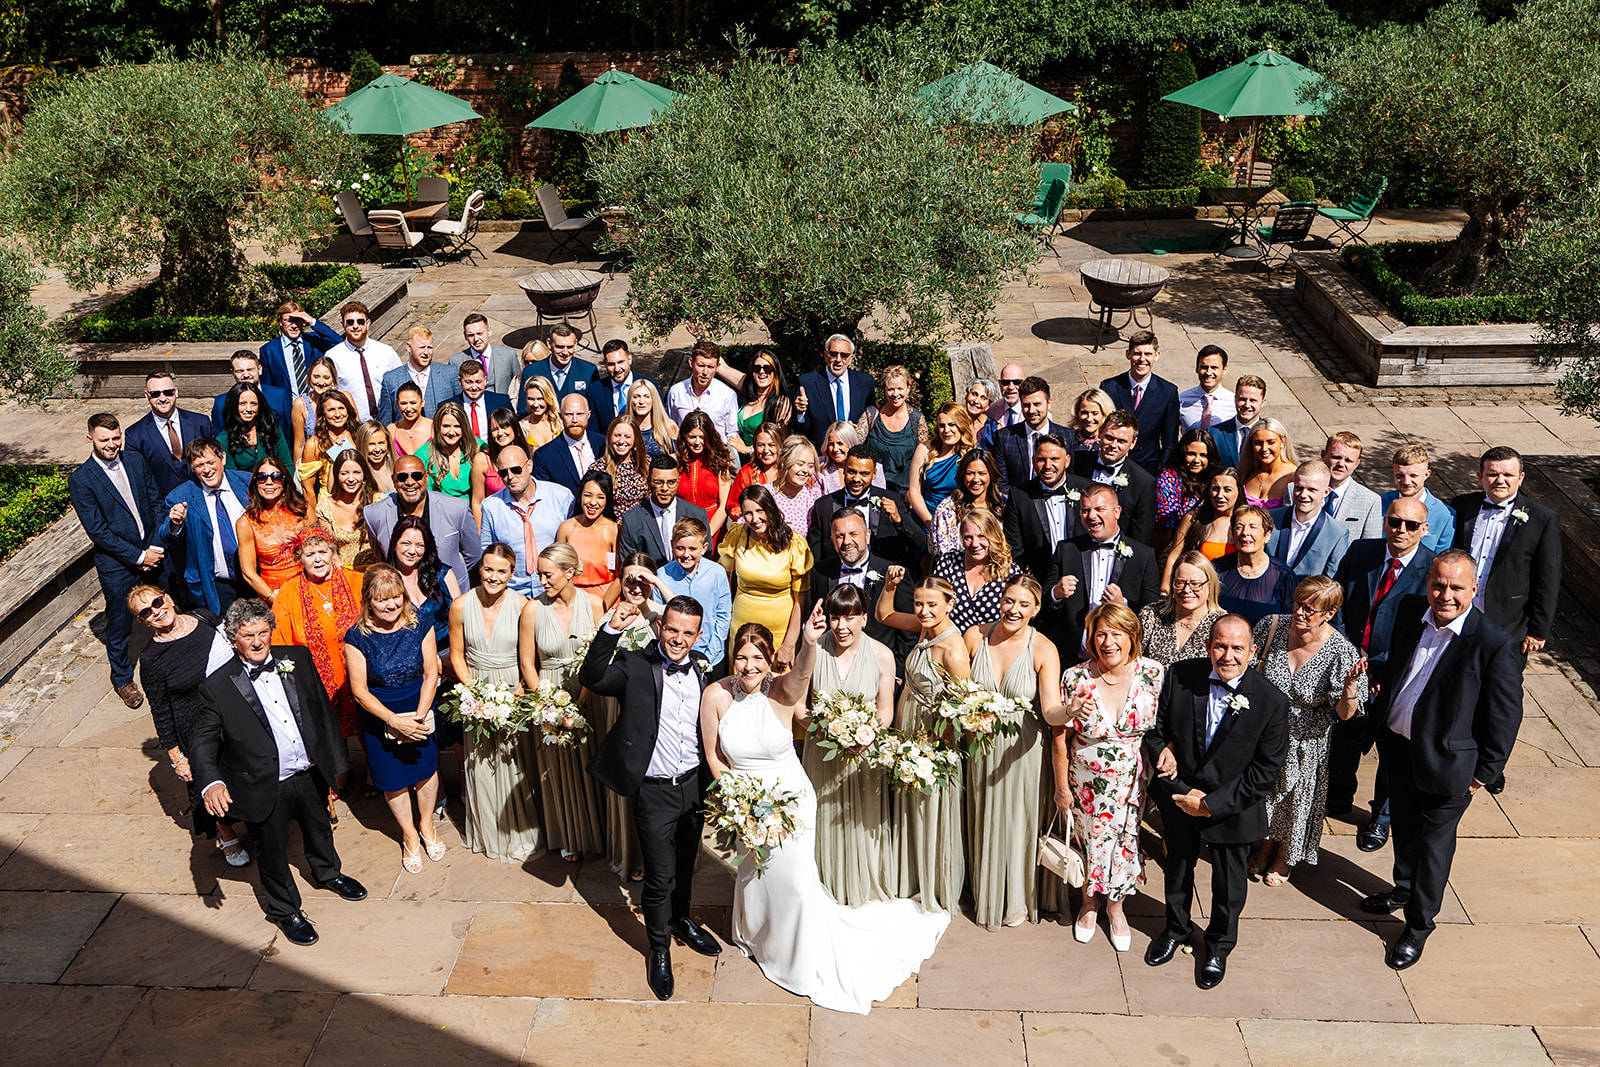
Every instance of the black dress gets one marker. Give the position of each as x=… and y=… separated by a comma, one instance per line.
x=172, y=672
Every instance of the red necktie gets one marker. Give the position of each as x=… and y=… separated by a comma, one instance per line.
x=472, y=409
x=1389, y=576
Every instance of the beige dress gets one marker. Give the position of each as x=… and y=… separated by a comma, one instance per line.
x=502, y=807
x=929, y=863
x=622, y=837
x=855, y=820
x=568, y=796
x=1003, y=801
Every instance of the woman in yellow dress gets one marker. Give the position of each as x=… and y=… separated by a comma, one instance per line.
x=769, y=564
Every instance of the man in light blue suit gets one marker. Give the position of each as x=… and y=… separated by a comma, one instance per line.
x=1411, y=473
x=198, y=531
x=438, y=384
x=1305, y=538
x=286, y=359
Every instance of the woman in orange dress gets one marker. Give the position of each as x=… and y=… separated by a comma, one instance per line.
x=704, y=470
x=266, y=530
x=1207, y=529
x=314, y=609
x=593, y=532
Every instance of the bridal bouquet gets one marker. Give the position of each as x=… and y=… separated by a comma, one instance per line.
x=974, y=716
x=552, y=709
x=844, y=724
x=918, y=762
x=742, y=808
x=486, y=709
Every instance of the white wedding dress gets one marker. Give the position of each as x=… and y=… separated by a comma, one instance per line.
x=842, y=958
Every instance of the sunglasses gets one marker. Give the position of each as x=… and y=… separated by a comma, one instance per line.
x=510, y=472
x=269, y=476
x=355, y=322
x=151, y=608
x=1412, y=525
x=1012, y=381
x=762, y=368
x=408, y=476
x=153, y=393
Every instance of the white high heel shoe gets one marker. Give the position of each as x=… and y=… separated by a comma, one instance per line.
x=1084, y=934
x=1121, y=942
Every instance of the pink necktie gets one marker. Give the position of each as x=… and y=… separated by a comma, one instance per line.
x=1205, y=411
x=1138, y=395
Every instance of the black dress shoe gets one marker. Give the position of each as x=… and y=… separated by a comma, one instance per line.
x=1385, y=903
x=690, y=933
x=658, y=972
x=1208, y=974
x=297, y=929
x=1373, y=836
x=346, y=887
x=1405, y=952
x=1161, y=949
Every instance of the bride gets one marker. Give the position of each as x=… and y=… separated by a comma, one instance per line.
x=842, y=958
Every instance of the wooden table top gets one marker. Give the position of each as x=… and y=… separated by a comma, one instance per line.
x=416, y=212
x=1132, y=273
x=562, y=281
x=1246, y=197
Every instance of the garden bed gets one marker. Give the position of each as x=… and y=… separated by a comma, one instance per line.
x=1389, y=271
x=46, y=567
x=317, y=287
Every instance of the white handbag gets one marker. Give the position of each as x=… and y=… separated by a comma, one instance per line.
x=1059, y=856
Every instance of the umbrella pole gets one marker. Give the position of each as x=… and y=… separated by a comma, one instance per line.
x=405, y=177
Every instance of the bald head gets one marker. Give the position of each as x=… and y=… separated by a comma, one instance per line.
x=410, y=479
x=513, y=466
x=575, y=416
x=1011, y=376
x=1405, y=524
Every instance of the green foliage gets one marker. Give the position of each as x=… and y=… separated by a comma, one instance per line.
x=1383, y=268
x=317, y=287
x=569, y=162
x=32, y=365
x=1153, y=199
x=181, y=162
x=518, y=203
x=1083, y=137
x=31, y=498
x=811, y=195
x=1171, y=144
x=1299, y=188
x=1558, y=261
x=364, y=70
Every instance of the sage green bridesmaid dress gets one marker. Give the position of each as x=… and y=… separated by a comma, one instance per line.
x=1003, y=801
x=929, y=859
x=502, y=803
x=569, y=797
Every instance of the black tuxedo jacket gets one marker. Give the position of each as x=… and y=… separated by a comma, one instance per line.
x=1027, y=525
x=1466, y=720
x=1137, y=574
x=1238, y=769
x=232, y=743
x=1526, y=574
x=896, y=542
x=636, y=680
x=1157, y=415
x=638, y=531
x=825, y=578
x=1012, y=455
x=1138, y=497
x=1358, y=575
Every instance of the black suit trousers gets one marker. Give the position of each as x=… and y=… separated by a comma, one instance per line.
x=669, y=817
x=302, y=798
x=1230, y=881
x=1348, y=740
x=1424, y=827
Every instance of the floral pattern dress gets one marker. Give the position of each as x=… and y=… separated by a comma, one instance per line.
x=1108, y=775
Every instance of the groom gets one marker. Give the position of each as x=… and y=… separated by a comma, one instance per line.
x=653, y=755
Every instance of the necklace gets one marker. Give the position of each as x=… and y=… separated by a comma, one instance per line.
x=326, y=598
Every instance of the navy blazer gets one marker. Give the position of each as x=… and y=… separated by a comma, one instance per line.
x=601, y=407
x=1520, y=595
x=639, y=532
x=1319, y=553
x=1012, y=456
x=1226, y=434
x=443, y=385
x=1157, y=415
x=553, y=462
x=147, y=439
x=275, y=361
x=820, y=412
x=279, y=400
x=118, y=545
x=1359, y=574
x=189, y=550
x=579, y=373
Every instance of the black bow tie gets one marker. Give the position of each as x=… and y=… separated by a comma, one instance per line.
x=844, y=570
x=1230, y=687
x=1046, y=492
x=256, y=672
x=1102, y=468
x=1490, y=504
x=858, y=502
x=1095, y=546
x=677, y=668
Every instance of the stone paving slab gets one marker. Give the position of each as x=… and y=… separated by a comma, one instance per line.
x=125, y=853
x=13, y=828
x=370, y=946
x=1132, y=1041
x=1033, y=967
x=238, y=1027
x=1528, y=879
x=92, y=781
x=668, y=1035
x=1553, y=802
x=1274, y=1043
x=40, y=933
x=891, y=1037
x=1571, y=1046
x=52, y=1024
x=158, y=939
x=1508, y=975
x=486, y=1031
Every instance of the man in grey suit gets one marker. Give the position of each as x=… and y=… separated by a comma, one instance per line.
x=647, y=528
x=1352, y=504
x=1305, y=538
x=455, y=534
x=438, y=384
x=502, y=365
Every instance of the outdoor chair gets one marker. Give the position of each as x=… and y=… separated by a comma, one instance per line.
x=355, y=217
x=395, y=238
x=461, y=232
x=1048, y=173
x=433, y=189
x=1248, y=175
x=1290, y=226
x=1046, y=221
x=564, y=229
x=1353, y=218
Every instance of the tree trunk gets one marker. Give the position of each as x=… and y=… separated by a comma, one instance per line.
x=799, y=340
x=204, y=273
x=1493, y=222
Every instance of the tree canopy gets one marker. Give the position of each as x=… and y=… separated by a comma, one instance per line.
x=32, y=364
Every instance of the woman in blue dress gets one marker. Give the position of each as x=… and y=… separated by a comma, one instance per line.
x=431, y=587
x=933, y=465
x=393, y=662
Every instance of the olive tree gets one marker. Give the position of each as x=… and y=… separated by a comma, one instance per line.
x=32, y=364
x=811, y=194
x=177, y=162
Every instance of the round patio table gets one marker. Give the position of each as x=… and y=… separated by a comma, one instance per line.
x=1117, y=285
x=561, y=294
x=1245, y=207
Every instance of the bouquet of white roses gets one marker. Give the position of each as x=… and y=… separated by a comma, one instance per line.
x=486, y=709
x=974, y=716
x=742, y=808
x=844, y=724
x=552, y=710
x=916, y=762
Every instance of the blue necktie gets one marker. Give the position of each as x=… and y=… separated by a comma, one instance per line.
x=838, y=400
x=230, y=543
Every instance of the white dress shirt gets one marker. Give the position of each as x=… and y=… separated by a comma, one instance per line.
x=1055, y=506
x=1430, y=649
x=619, y=393
x=233, y=508
x=292, y=755
x=1106, y=475
x=854, y=574
x=1488, y=530
x=718, y=401
x=1097, y=569
x=1217, y=703
x=678, y=733
x=582, y=458
x=381, y=359
x=119, y=478
x=481, y=408
x=666, y=518
x=1192, y=406
x=420, y=375
x=558, y=375
x=1297, y=532
x=839, y=393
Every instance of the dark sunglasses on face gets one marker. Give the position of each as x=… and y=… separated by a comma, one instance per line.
x=510, y=472
x=355, y=322
x=269, y=476
x=762, y=368
x=1011, y=381
x=151, y=608
x=408, y=476
x=153, y=393
x=1411, y=525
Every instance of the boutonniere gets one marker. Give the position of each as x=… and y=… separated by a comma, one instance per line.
x=874, y=576
x=1074, y=495
x=1120, y=479
x=1237, y=703
x=1518, y=515
x=1124, y=549
x=875, y=501
x=284, y=667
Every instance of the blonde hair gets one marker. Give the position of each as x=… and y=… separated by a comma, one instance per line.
x=562, y=555
x=382, y=579
x=1320, y=591
x=1199, y=562
x=363, y=436
x=1117, y=617
x=939, y=585
x=1249, y=465
x=963, y=420
x=534, y=351
x=1100, y=398
x=796, y=448
x=999, y=563
x=1410, y=455
x=663, y=429
x=419, y=330
x=896, y=370
x=552, y=406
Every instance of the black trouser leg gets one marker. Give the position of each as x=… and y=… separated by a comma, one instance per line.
x=686, y=846
x=316, y=832
x=1229, y=883
x=662, y=812
x=1424, y=828
x=271, y=839
x=1183, y=849
x=1344, y=756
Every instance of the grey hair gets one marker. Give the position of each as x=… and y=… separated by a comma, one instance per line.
x=839, y=337
x=243, y=613
x=846, y=432
x=990, y=386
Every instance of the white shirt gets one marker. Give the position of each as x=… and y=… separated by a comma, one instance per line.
x=169, y=423
x=854, y=575
x=1430, y=649
x=1056, y=507
x=1217, y=703
x=119, y=478
x=1298, y=531
x=292, y=755
x=482, y=409
x=666, y=518
x=558, y=375
x=619, y=392
x=678, y=733
x=233, y=509
x=1242, y=434
x=1097, y=569
x=381, y=359
x=839, y=393
x=718, y=401
x=420, y=375
x=1106, y=475
x=1191, y=406
x=1488, y=530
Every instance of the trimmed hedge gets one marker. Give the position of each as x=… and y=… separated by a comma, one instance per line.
x=929, y=364
x=1114, y=193
x=33, y=498
x=317, y=287
x=1379, y=267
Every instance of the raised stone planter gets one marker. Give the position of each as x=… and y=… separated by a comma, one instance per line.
x=1390, y=353
x=46, y=583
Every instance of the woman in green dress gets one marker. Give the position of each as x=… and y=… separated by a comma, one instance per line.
x=1004, y=798
x=855, y=822
x=929, y=861
x=454, y=459
x=763, y=382
x=555, y=630
x=250, y=431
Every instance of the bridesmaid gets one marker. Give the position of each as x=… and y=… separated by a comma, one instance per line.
x=502, y=805
x=553, y=628
x=855, y=826
x=1003, y=795
x=592, y=531
x=927, y=829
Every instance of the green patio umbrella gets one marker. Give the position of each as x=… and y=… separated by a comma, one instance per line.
x=1265, y=84
x=390, y=104
x=983, y=94
x=614, y=101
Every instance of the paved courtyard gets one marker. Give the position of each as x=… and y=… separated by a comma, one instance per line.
x=125, y=941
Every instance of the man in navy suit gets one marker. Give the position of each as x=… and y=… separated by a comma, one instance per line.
x=502, y=366
x=565, y=460
x=1305, y=538
x=608, y=393
x=286, y=359
x=1516, y=546
x=834, y=394
x=161, y=435
x=563, y=369
x=476, y=399
x=116, y=501
x=199, y=528
x=1249, y=393
x=246, y=367
x=438, y=384
x=1153, y=401
x=1113, y=465
x=1014, y=445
